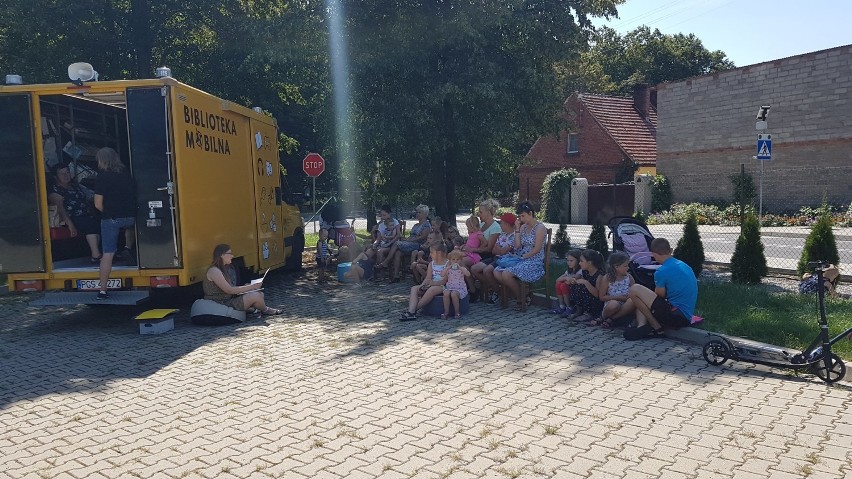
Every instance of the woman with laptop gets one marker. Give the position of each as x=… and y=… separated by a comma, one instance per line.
x=220, y=285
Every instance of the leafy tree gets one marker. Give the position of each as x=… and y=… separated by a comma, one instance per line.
x=554, y=191
x=820, y=245
x=645, y=56
x=689, y=248
x=748, y=264
x=561, y=242
x=597, y=240
x=449, y=95
x=264, y=53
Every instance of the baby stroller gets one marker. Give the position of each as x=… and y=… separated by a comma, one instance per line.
x=339, y=230
x=632, y=237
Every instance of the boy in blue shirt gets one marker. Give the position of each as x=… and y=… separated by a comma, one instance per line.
x=672, y=303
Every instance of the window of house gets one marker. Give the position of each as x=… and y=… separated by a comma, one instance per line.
x=573, y=143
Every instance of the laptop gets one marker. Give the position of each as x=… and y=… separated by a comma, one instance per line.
x=260, y=280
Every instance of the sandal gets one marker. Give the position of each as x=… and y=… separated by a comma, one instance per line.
x=607, y=323
x=443, y=316
x=583, y=318
x=406, y=316
x=458, y=316
x=96, y=260
x=656, y=333
x=597, y=322
x=271, y=311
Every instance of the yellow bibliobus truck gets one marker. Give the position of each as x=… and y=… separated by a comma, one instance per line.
x=206, y=171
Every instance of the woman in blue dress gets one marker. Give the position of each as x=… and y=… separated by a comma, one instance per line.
x=529, y=245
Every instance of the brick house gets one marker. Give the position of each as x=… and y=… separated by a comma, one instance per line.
x=707, y=130
x=609, y=140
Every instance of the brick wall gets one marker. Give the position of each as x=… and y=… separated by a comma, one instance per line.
x=598, y=160
x=706, y=129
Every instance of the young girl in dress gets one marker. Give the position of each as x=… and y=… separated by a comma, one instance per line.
x=562, y=287
x=585, y=297
x=614, y=290
x=432, y=285
x=455, y=288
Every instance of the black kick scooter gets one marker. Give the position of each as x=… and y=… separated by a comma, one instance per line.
x=817, y=358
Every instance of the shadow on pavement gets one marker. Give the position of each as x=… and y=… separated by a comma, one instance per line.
x=48, y=351
x=61, y=350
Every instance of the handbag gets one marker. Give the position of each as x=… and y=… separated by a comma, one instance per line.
x=507, y=261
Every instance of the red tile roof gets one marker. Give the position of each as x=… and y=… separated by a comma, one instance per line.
x=635, y=135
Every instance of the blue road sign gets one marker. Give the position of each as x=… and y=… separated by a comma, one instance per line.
x=764, y=147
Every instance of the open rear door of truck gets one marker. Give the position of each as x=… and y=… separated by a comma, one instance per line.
x=21, y=241
x=153, y=169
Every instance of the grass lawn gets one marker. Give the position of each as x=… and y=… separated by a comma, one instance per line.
x=311, y=240
x=783, y=319
x=779, y=318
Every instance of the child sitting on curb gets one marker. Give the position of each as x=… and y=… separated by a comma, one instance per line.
x=614, y=290
x=432, y=285
x=563, y=287
x=586, y=296
x=361, y=268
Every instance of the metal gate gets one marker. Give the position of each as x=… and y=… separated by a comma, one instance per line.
x=606, y=201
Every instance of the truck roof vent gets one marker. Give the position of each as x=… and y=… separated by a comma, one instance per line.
x=14, y=80
x=161, y=72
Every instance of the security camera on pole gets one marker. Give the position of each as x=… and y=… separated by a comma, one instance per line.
x=764, y=147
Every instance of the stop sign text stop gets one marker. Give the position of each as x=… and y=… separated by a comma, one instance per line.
x=313, y=165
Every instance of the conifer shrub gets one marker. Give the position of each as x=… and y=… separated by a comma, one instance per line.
x=748, y=264
x=820, y=244
x=554, y=191
x=561, y=242
x=689, y=248
x=597, y=240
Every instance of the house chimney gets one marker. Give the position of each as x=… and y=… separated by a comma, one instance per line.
x=642, y=99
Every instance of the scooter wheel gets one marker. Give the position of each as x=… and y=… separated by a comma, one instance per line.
x=834, y=373
x=716, y=352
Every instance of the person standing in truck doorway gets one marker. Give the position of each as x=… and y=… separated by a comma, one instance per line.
x=115, y=198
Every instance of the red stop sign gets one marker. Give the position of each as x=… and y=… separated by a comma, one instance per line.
x=313, y=165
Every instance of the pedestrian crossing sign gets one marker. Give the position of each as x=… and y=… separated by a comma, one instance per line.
x=764, y=146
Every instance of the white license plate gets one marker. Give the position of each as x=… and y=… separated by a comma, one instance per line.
x=95, y=284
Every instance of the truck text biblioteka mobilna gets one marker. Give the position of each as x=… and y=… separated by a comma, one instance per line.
x=206, y=172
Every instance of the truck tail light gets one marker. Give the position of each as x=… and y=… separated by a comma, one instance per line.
x=29, y=285
x=164, y=281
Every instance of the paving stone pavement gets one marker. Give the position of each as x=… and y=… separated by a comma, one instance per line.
x=337, y=388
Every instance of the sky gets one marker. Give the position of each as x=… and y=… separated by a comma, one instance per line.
x=748, y=31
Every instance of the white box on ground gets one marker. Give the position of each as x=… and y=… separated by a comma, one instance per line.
x=156, y=326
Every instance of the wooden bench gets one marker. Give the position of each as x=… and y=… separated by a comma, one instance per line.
x=527, y=289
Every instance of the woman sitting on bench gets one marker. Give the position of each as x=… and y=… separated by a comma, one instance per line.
x=529, y=246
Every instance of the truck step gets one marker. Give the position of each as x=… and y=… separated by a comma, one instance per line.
x=63, y=298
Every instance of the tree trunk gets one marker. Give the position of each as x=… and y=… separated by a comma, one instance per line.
x=444, y=180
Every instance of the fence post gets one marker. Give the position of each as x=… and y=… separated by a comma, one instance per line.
x=643, y=194
x=742, y=200
x=579, y=201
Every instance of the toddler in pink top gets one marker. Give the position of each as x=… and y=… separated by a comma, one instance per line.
x=475, y=240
